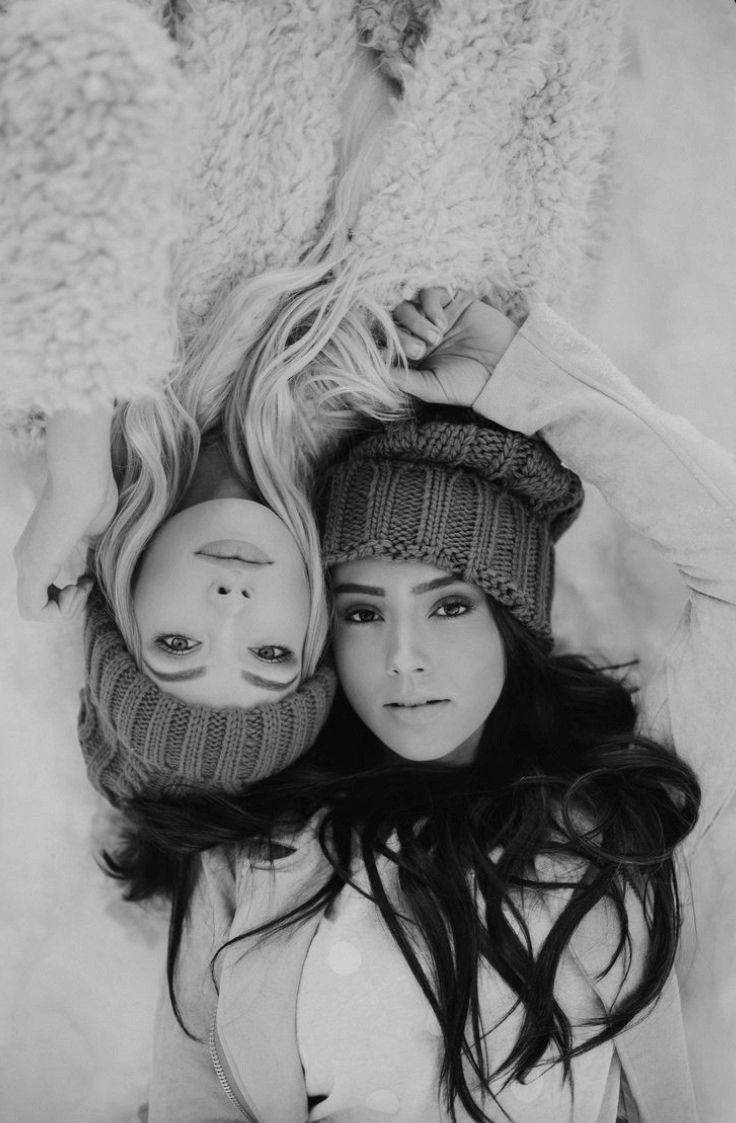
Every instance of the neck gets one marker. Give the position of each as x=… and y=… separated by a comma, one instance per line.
x=214, y=478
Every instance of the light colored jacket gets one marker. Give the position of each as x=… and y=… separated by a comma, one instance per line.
x=676, y=487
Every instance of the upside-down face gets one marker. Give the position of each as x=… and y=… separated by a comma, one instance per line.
x=222, y=605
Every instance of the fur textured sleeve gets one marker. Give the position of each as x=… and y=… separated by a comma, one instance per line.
x=91, y=156
x=268, y=78
x=491, y=178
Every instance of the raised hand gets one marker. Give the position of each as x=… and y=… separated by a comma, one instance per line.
x=452, y=366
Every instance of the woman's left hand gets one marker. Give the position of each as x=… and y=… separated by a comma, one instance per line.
x=461, y=357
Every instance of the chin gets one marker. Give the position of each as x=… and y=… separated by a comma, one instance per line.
x=419, y=754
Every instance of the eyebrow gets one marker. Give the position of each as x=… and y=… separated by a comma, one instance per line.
x=377, y=591
x=176, y=676
x=198, y=672
x=267, y=683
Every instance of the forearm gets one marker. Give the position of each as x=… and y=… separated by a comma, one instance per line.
x=671, y=484
x=667, y=480
x=78, y=441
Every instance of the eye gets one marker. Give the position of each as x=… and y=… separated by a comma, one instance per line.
x=175, y=644
x=272, y=653
x=453, y=607
x=360, y=614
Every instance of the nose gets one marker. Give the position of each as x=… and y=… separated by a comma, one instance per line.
x=405, y=654
x=228, y=595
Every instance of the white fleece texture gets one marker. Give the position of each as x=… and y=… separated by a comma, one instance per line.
x=90, y=157
x=116, y=150
x=493, y=172
x=270, y=107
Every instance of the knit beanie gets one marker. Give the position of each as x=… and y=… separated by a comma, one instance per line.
x=479, y=501
x=138, y=740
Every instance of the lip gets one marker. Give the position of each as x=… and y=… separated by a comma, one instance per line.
x=416, y=710
x=230, y=550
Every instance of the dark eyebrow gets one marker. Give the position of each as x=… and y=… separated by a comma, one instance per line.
x=437, y=583
x=176, y=676
x=371, y=590
x=267, y=683
x=197, y=672
x=423, y=587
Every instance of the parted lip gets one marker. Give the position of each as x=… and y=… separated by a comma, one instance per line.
x=229, y=550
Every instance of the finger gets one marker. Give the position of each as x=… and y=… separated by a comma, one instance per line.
x=414, y=321
x=45, y=601
x=422, y=384
x=73, y=571
x=412, y=347
x=433, y=302
x=32, y=597
x=72, y=599
x=459, y=304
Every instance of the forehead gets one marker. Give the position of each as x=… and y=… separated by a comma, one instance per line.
x=389, y=575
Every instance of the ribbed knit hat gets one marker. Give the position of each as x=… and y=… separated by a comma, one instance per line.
x=137, y=740
x=470, y=497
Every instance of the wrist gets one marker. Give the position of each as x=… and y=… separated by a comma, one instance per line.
x=79, y=441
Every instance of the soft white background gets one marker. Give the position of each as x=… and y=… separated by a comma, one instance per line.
x=78, y=969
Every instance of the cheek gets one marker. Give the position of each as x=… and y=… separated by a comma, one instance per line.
x=355, y=664
x=152, y=591
x=292, y=603
x=479, y=669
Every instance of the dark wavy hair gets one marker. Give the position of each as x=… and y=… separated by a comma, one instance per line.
x=560, y=772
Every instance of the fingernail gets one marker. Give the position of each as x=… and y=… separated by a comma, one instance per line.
x=415, y=350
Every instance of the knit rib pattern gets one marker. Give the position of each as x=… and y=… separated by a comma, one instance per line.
x=138, y=740
x=481, y=502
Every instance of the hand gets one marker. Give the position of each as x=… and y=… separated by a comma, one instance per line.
x=457, y=368
x=78, y=501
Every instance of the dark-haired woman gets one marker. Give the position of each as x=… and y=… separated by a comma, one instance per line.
x=465, y=905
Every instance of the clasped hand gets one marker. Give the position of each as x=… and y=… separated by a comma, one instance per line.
x=454, y=344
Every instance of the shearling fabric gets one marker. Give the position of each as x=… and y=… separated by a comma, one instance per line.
x=92, y=119
x=491, y=176
x=217, y=137
x=393, y=30
x=269, y=77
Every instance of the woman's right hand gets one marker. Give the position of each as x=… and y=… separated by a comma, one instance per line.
x=456, y=369
x=77, y=503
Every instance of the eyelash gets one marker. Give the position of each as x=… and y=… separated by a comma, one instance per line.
x=455, y=602
x=349, y=614
x=283, y=657
x=164, y=643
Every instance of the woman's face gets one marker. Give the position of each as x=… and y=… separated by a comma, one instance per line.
x=418, y=655
x=222, y=605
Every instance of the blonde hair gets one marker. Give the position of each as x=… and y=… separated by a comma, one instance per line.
x=284, y=364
